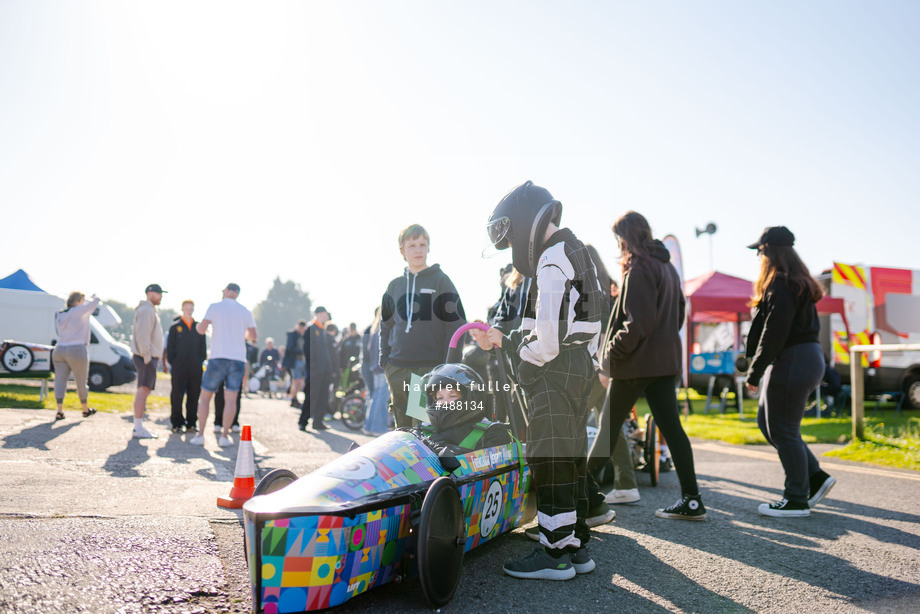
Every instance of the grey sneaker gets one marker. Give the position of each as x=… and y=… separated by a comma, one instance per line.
x=541, y=566
x=688, y=508
x=599, y=514
x=582, y=561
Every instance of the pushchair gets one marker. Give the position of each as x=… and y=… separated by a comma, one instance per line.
x=267, y=381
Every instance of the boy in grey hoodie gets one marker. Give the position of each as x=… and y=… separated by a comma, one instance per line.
x=419, y=313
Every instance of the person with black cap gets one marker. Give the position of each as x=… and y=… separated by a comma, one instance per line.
x=233, y=323
x=318, y=358
x=555, y=362
x=786, y=365
x=147, y=347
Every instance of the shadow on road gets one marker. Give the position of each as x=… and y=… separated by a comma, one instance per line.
x=124, y=464
x=37, y=436
x=794, y=547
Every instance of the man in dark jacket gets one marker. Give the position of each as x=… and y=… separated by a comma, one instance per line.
x=186, y=351
x=318, y=372
x=419, y=313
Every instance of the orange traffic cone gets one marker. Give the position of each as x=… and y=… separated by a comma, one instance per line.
x=244, y=477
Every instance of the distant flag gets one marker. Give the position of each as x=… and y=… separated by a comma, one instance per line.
x=673, y=246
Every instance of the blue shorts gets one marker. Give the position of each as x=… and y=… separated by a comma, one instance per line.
x=230, y=372
x=300, y=369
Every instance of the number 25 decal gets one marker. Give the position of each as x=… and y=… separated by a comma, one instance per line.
x=491, y=509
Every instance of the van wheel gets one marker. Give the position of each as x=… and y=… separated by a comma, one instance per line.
x=99, y=377
x=912, y=390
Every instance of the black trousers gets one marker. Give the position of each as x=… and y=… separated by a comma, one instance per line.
x=557, y=446
x=316, y=398
x=185, y=383
x=661, y=394
x=784, y=392
x=220, y=403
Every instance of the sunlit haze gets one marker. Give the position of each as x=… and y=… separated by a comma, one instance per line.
x=192, y=144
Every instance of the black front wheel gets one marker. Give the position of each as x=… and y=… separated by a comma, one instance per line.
x=652, y=449
x=912, y=391
x=99, y=377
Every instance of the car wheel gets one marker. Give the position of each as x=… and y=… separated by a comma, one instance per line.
x=99, y=377
x=276, y=479
x=441, y=542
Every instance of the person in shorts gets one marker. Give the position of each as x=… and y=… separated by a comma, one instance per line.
x=226, y=364
x=146, y=347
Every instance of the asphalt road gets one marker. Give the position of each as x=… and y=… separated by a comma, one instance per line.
x=92, y=521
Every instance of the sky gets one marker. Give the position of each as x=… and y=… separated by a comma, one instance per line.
x=192, y=144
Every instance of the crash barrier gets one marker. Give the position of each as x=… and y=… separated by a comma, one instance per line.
x=244, y=477
x=858, y=384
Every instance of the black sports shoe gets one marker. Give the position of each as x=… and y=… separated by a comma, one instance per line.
x=784, y=509
x=319, y=426
x=541, y=566
x=582, y=561
x=688, y=508
x=818, y=486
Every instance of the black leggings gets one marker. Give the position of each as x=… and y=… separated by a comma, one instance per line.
x=660, y=392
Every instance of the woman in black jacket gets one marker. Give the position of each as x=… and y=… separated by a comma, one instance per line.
x=786, y=365
x=642, y=350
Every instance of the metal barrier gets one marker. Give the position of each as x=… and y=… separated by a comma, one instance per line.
x=858, y=384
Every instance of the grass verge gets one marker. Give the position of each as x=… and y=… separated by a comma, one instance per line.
x=891, y=440
x=26, y=397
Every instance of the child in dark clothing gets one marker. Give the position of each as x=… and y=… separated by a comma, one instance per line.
x=554, y=355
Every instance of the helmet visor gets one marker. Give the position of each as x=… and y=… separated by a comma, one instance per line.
x=499, y=231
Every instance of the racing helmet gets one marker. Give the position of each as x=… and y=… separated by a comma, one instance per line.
x=520, y=221
x=467, y=382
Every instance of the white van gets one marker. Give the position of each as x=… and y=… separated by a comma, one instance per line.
x=28, y=316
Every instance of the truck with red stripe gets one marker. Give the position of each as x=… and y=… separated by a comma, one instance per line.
x=882, y=306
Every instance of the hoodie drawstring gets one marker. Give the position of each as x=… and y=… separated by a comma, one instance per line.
x=410, y=300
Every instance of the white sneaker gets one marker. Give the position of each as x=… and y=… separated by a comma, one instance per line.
x=235, y=428
x=217, y=428
x=197, y=440
x=223, y=442
x=623, y=496
x=142, y=433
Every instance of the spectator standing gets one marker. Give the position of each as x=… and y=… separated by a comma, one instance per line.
x=71, y=354
x=643, y=351
x=186, y=351
x=294, y=359
x=786, y=365
x=147, y=347
x=375, y=421
x=227, y=363
x=319, y=369
x=419, y=313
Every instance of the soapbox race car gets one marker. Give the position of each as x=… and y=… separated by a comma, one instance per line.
x=390, y=509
